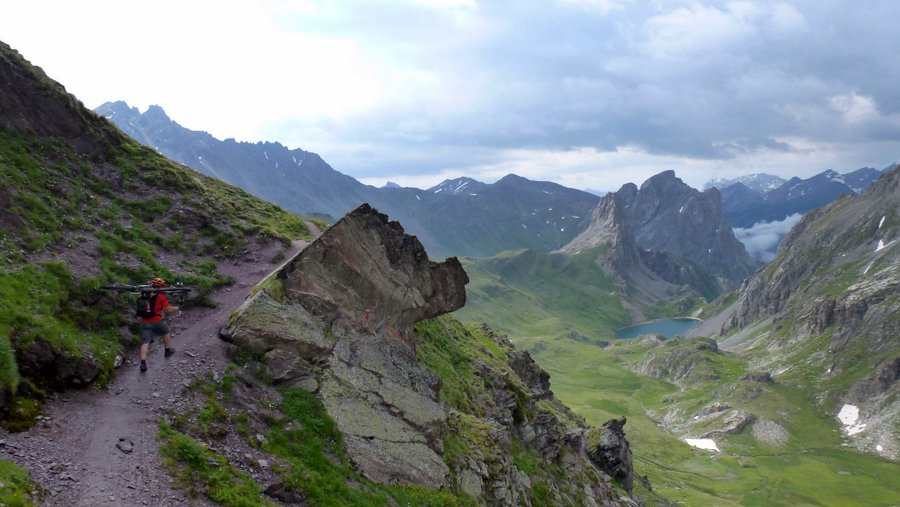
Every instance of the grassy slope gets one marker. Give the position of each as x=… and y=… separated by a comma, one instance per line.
x=16, y=490
x=523, y=293
x=519, y=295
x=128, y=218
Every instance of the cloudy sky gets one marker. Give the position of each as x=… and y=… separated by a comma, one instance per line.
x=587, y=93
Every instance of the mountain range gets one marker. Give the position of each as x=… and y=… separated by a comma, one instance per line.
x=345, y=382
x=524, y=213
x=342, y=383
x=756, y=198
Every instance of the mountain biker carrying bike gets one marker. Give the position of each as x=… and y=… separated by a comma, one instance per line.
x=153, y=324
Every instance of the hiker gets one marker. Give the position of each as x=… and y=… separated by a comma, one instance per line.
x=153, y=324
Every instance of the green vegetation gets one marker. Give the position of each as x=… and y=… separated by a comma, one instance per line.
x=127, y=216
x=16, y=490
x=313, y=448
x=525, y=293
x=304, y=443
x=519, y=293
x=813, y=468
x=448, y=348
x=199, y=470
x=43, y=303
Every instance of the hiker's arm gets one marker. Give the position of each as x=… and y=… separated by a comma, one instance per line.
x=171, y=309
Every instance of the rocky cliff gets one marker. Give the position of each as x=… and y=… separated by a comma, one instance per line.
x=831, y=297
x=667, y=215
x=663, y=237
x=434, y=404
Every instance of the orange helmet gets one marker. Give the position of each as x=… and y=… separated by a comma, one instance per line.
x=157, y=282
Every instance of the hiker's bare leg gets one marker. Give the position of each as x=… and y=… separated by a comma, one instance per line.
x=167, y=340
x=144, y=348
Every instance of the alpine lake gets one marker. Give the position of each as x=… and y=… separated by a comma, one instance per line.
x=668, y=328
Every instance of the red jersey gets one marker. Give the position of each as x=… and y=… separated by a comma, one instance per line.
x=161, y=302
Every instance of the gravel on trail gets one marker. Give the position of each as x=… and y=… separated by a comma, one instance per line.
x=98, y=447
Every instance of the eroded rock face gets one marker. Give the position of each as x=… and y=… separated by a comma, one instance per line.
x=365, y=275
x=609, y=450
x=344, y=328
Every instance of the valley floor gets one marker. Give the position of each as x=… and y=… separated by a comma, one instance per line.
x=815, y=467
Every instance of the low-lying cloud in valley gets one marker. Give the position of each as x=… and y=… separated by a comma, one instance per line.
x=762, y=239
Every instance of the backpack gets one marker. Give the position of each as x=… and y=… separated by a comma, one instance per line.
x=146, y=305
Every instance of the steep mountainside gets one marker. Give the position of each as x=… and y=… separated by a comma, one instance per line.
x=668, y=216
x=432, y=403
x=457, y=217
x=82, y=204
x=268, y=170
x=662, y=237
x=824, y=312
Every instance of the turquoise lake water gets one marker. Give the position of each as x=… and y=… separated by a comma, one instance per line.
x=669, y=328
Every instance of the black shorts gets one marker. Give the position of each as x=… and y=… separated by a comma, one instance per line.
x=150, y=330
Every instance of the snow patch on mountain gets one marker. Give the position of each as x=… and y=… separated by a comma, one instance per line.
x=702, y=443
x=849, y=417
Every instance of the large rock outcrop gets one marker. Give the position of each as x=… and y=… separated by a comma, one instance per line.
x=669, y=216
x=344, y=328
x=610, y=450
x=339, y=320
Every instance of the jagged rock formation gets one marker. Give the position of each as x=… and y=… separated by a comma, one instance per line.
x=669, y=216
x=831, y=294
x=339, y=319
x=662, y=237
x=350, y=300
x=610, y=450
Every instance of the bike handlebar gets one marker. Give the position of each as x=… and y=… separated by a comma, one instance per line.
x=121, y=287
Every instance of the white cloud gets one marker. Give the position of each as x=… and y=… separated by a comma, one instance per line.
x=854, y=108
x=762, y=239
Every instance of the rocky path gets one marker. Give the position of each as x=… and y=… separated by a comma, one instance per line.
x=98, y=447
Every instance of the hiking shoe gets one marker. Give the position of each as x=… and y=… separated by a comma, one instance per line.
x=143, y=365
x=169, y=351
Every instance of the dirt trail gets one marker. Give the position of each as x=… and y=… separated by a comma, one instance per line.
x=73, y=451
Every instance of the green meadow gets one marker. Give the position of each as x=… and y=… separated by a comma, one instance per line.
x=564, y=311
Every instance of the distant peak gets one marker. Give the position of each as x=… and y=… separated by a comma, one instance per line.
x=667, y=174
x=663, y=178
x=156, y=112
x=511, y=178
x=456, y=185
